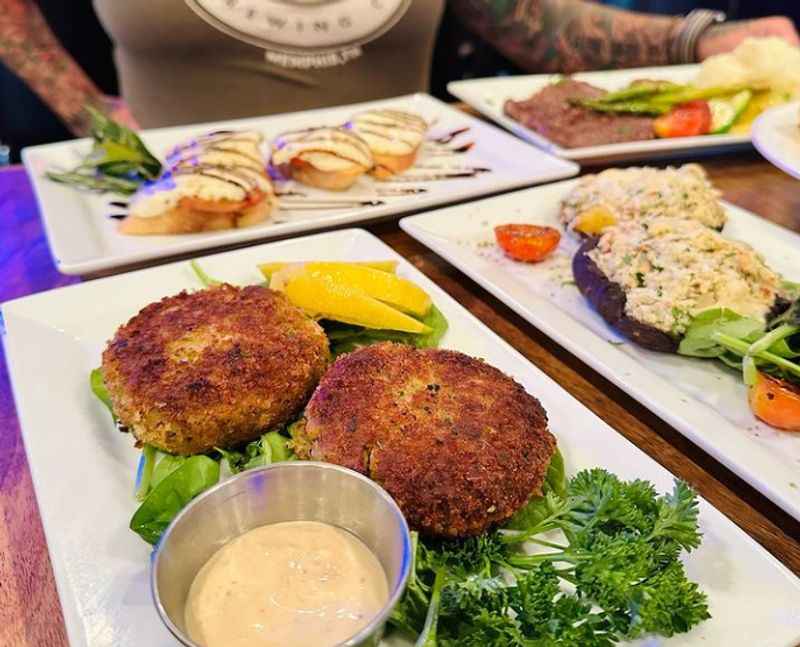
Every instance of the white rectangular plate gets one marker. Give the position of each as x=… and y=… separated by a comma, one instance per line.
x=83, y=239
x=489, y=95
x=83, y=469
x=705, y=402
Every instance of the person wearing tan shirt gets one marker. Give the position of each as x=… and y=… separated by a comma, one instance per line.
x=175, y=68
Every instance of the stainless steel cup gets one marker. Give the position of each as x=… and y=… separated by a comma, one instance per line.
x=292, y=491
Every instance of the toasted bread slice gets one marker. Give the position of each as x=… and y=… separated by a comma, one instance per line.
x=340, y=180
x=387, y=166
x=185, y=220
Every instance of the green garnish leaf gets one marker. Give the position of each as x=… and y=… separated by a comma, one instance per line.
x=272, y=447
x=201, y=275
x=345, y=338
x=100, y=391
x=195, y=475
x=699, y=339
x=536, y=509
x=617, y=545
x=119, y=162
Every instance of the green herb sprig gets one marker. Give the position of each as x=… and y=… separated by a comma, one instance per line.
x=607, y=570
x=119, y=162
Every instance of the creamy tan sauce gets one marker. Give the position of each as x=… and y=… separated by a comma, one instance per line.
x=299, y=583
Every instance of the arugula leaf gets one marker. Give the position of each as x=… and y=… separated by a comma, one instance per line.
x=165, y=500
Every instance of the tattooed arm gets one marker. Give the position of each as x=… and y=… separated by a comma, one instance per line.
x=30, y=50
x=572, y=35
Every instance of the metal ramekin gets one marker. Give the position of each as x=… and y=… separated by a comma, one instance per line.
x=292, y=491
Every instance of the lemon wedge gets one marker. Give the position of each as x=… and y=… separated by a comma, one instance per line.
x=268, y=269
x=323, y=296
x=594, y=220
x=392, y=290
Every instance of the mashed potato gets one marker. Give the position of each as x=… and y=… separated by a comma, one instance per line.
x=758, y=61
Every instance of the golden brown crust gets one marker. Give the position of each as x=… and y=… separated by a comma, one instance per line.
x=457, y=443
x=183, y=220
x=213, y=368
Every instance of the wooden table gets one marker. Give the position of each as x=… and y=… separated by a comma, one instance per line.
x=30, y=614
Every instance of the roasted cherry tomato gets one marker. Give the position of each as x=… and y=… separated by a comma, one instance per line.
x=686, y=120
x=529, y=243
x=776, y=402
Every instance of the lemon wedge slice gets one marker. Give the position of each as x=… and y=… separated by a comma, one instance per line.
x=323, y=296
x=594, y=220
x=392, y=290
x=268, y=269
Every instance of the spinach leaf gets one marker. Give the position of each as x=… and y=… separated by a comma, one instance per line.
x=144, y=474
x=100, y=391
x=166, y=466
x=272, y=447
x=173, y=492
x=532, y=513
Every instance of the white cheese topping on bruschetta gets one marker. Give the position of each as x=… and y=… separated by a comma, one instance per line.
x=390, y=132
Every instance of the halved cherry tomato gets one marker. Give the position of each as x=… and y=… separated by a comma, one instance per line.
x=686, y=120
x=776, y=402
x=222, y=206
x=528, y=243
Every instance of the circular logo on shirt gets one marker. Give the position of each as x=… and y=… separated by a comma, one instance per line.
x=303, y=33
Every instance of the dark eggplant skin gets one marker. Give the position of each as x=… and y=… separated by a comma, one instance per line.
x=609, y=299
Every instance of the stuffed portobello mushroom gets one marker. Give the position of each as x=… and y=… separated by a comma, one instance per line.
x=616, y=195
x=649, y=277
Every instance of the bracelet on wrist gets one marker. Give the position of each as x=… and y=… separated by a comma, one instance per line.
x=683, y=48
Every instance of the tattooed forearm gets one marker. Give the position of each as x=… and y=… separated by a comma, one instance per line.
x=30, y=50
x=570, y=35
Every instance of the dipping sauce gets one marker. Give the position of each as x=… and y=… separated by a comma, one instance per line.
x=300, y=583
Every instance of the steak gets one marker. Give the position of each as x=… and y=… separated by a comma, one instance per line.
x=549, y=113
